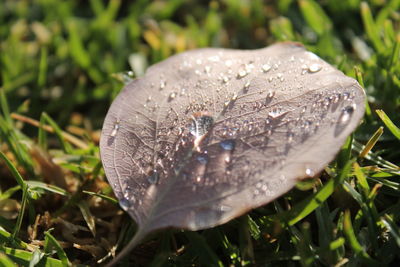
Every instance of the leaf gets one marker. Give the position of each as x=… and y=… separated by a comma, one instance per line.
x=207, y=135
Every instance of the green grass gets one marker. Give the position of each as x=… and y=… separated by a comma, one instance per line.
x=61, y=64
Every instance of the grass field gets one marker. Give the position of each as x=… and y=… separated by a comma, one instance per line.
x=63, y=62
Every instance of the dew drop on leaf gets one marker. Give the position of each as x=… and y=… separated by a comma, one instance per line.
x=314, y=68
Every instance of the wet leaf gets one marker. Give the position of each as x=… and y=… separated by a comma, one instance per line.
x=210, y=134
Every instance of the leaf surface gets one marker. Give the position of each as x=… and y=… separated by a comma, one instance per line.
x=210, y=134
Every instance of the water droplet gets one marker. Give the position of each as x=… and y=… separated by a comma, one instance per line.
x=244, y=70
x=310, y=172
x=280, y=77
x=249, y=67
x=124, y=203
x=171, y=96
x=227, y=144
x=115, y=129
x=234, y=96
x=241, y=73
x=202, y=159
x=162, y=84
x=314, y=68
x=347, y=112
x=153, y=178
x=264, y=187
x=225, y=208
x=247, y=85
x=265, y=67
x=201, y=123
x=275, y=113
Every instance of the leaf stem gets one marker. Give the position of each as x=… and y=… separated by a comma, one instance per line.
x=141, y=233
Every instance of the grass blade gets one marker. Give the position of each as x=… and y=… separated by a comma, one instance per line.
x=388, y=122
x=60, y=251
x=370, y=27
x=392, y=227
x=371, y=142
x=304, y=208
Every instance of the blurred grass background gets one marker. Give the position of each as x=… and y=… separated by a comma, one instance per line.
x=62, y=63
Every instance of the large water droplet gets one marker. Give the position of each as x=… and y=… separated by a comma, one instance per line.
x=347, y=112
x=200, y=124
x=227, y=144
